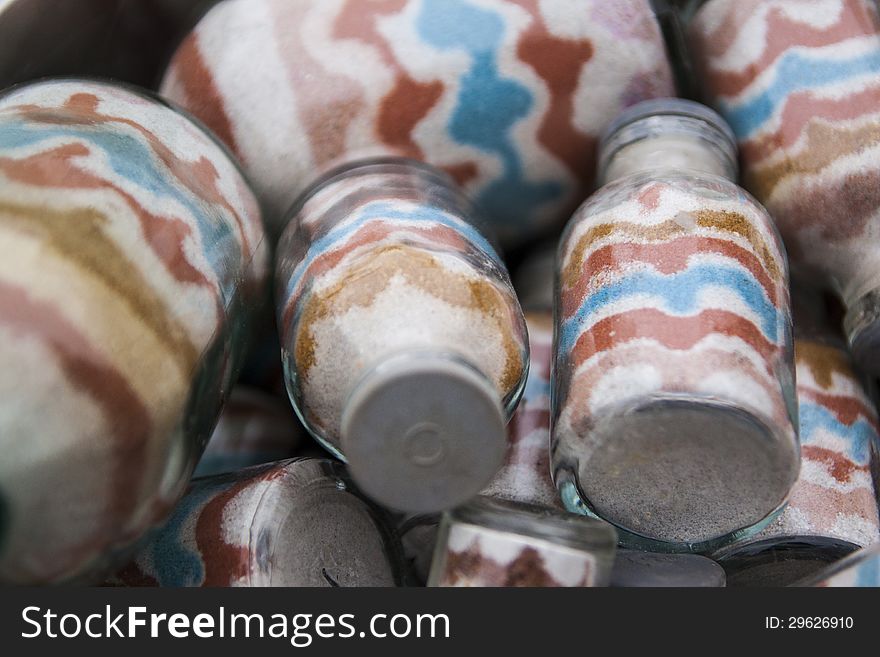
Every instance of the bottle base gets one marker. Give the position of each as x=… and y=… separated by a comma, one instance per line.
x=310, y=529
x=678, y=475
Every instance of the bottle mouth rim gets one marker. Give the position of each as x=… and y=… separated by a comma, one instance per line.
x=668, y=116
x=680, y=107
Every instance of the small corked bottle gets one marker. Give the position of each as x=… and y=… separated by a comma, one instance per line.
x=799, y=83
x=832, y=510
x=254, y=428
x=404, y=346
x=497, y=543
x=132, y=258
x=674, y=414
x=291, y=523
x=507, y=96
x=860, y=569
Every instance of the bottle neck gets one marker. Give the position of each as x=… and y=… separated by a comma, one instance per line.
x=669, y=152
x=339, y=193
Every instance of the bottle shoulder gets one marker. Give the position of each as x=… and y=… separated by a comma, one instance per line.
x=695, y=186
x=653, y=198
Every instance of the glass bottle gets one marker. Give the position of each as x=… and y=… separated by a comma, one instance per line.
x=507, y=97
x=674, y=414
x=637, y=569
x=290, y=523
x=404, y=346
x=497, y=543
x=800, y=85
x=131, y=260
x=254, y=428
x=525, y=475
x=860, y=569
x=833, y=508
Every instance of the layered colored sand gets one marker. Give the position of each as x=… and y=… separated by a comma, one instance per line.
x=132, y=253
x=673, y=308
x=800, y=85
x=834, y=496
x=378, y=268
x=507, y=96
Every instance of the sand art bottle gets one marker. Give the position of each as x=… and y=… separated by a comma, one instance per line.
x=497, y=543
x=799, y=83
x=404, y=345
x=131, y=258
x=290, y=523
x=674, y=414
x=832, y=510
x=507, y=96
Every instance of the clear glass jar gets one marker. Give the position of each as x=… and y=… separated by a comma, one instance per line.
x=132, y=257
x=291, y=523
x=495, y=543
x=833, y=508
x=638, y=569
x=525, y=475
x=404, y=346
x=800, y=85
x=674, y=415
x=508, y=97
